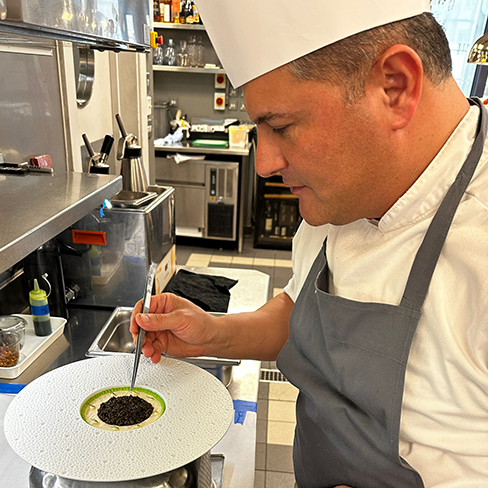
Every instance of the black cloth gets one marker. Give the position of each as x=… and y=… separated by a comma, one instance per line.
x=211, y=293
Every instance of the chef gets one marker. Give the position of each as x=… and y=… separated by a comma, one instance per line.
x=383, y=327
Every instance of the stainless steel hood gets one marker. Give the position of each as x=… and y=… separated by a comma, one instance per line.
x=115, y=25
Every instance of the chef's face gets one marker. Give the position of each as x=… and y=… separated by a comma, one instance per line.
x=330, y=154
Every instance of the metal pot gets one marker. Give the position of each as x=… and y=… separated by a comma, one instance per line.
x=173, y=479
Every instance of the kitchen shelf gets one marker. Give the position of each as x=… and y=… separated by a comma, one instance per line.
x=36, y=207
x=280, y=196
x=275, y=185
x=277, y=214
x=186, y=147
x=167, y=25
x=184, y=69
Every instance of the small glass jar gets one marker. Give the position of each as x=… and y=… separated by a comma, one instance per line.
x=12, y=325
x=12, y=337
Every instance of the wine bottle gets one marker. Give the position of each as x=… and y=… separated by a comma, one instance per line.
x=156, y=14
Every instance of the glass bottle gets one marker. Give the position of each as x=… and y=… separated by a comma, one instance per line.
x=276, y=230
x=169, y=57
x=158, y=52
x=196, y=15
x=182, y=55
x=268, y=220
x=165, y=10
x=192, y=51
x=189, y=12
x=156, y=14
x=175, y=11
x=184, y=16
x=199, y=53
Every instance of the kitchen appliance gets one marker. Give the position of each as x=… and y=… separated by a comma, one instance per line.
x=109, y=25
x=97, y=162
x=206, y=194
x=116, y=249
x=183, y=477
x=204, y=127
x=130, y=153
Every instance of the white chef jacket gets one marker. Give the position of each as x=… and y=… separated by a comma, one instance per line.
x=444, y=421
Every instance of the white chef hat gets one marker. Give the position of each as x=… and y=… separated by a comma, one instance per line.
x=253, y=37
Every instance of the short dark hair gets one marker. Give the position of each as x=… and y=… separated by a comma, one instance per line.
x=349, y=61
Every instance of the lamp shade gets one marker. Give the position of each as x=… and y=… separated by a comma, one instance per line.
x=479, y=51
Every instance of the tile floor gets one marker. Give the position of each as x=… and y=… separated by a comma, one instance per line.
x=276, y=400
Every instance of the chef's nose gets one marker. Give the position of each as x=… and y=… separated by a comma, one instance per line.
x=269, y=159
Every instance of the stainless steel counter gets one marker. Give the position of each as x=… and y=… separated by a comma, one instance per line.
x=36, y=207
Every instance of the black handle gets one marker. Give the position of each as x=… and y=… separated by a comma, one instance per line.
x=107, y=145
x=88, y=145
x=121, y=126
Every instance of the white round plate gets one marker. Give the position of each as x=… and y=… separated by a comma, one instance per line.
x=44, y=426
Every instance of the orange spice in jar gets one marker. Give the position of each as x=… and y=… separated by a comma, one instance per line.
x=8, y=357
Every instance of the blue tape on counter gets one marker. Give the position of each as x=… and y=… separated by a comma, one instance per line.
x=241, y=408
x=10, y=387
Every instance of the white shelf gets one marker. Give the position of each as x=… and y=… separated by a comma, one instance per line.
x=184, y=69
x=167, y=25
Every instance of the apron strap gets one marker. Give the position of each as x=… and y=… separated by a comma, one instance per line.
x=430, y=249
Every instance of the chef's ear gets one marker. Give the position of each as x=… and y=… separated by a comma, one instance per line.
x=397, y=77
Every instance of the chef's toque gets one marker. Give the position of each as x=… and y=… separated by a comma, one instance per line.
x=253, y=37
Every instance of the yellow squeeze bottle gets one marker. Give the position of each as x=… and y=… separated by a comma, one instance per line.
x=40, y=311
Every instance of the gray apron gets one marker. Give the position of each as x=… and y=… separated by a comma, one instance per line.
x=349, y=359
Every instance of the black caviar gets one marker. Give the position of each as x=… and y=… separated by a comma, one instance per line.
x=125, y=410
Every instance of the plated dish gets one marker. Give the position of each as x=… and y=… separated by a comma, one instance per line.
x=44, y=423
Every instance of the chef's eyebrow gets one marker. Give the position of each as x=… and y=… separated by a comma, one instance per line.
x=269, y=117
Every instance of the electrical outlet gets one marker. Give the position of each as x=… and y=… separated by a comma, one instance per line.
x=220, y=81
x=219, y=101
x=173, y=102
x=233, y=105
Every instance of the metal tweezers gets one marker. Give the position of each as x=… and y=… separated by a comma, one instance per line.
x=146, y=302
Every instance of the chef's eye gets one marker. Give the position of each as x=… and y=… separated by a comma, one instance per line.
x=280, y=130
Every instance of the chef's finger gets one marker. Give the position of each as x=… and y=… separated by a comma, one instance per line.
x=153, y=350
x=157, y=321
x=168, y=302
x=158, y=304
x=159, y=348
x=133, y=325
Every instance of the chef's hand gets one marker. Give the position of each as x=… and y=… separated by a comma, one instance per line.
x=174, y=326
